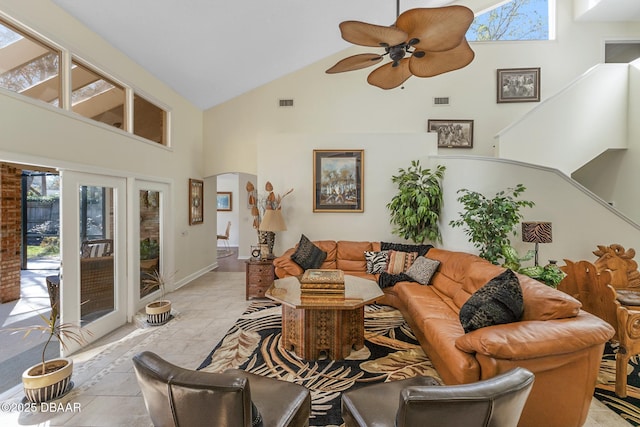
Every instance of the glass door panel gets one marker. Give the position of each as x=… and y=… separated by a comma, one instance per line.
x=149, y=240
x=93, y=287
x=97, y=272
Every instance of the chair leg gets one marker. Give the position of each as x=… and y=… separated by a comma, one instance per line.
x=622, y=360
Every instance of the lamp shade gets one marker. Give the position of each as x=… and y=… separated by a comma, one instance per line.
x=536, y=232
x=272, y=220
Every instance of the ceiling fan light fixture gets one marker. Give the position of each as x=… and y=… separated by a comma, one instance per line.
x=433, y=37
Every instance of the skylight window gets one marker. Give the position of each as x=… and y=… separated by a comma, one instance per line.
x=514, y=20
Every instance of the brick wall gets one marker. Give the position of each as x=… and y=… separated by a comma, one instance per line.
x=10, y=233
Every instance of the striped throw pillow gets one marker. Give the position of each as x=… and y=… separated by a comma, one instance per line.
x=399, y=261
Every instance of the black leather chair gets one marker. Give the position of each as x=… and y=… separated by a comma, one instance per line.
x=420, y=402
x=180, y=397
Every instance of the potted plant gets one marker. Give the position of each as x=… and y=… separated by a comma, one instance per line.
x=550, y=274
x=158, y=311
x=50, y=379
x=149, y=253
x=415, y=209
x=489, y=222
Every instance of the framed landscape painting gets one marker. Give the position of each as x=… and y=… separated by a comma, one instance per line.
x=452, y=133
x=224, y=201
x=338, y=180
x=518, y=85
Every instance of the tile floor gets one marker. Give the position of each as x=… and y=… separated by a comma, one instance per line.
x=105, y=390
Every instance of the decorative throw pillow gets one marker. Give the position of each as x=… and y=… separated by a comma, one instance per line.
x=400, y=261
x=499, y=301
x=423, y=269
x=404, y=247
x=308, y=255
x=376, y=261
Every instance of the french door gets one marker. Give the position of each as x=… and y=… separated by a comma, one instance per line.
x=150, y=205
x=93, y=279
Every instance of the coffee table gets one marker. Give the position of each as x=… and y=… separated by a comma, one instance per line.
x=329, y=327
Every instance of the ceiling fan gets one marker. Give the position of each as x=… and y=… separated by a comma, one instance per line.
x=423, y=42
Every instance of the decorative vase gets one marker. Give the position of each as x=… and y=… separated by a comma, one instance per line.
x=267, y=238
x=158, y=312
x=51, y=385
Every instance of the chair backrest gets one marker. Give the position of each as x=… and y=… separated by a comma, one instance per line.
x=496, y=402
x=96, y=248
x=226, y=233
x=180, y=397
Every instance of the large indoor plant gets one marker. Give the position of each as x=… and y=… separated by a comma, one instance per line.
x=415, y=209
x=489, y=222
x=50, y=379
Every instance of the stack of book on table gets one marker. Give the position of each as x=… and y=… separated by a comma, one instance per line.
x=322, y=283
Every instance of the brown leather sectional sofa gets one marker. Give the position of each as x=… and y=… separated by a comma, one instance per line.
x=556, y=340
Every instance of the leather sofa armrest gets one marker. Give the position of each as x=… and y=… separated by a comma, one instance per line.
x=537, y=338
x=285, y=266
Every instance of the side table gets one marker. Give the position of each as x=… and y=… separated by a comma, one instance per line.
x=260, y=276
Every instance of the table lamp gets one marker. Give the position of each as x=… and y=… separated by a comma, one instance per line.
x=536, y=232
x=272, y=221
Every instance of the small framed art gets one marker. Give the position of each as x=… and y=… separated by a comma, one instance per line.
x=452, y=133
x=196, y=199
x=518, y=85
x=338, y=180
x=225, y=201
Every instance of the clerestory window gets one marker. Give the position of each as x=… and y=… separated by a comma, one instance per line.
x=515, y=20
x=30, y=67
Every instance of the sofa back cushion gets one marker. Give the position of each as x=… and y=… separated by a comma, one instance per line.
x=544, y=303
x=461, y=274
x=329, y=246
x=350, y=255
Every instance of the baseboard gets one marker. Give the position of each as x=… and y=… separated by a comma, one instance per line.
x=194, y=276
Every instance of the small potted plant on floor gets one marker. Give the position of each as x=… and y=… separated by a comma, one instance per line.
x=158, y=311
x=50, y=379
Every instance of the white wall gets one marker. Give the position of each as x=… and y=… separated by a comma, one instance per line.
x=614, y=175
x=580, y=221
x=569, y=129
x=35, y=133
x=252, y=134
x=345, y=103
x=384, y=154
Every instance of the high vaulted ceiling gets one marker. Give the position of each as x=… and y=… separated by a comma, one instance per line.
x=210, y=51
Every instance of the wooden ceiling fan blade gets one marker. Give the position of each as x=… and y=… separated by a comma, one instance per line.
x=355, y=62
x=388, y=76
x=434, y=63
x=437, y=29
x=364, y=34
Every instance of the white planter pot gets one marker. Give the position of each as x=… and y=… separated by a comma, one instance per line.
x=43, y=388
x=158, y=312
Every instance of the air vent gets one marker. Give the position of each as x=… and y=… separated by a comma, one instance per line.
x=441, y=100
x=286, y=102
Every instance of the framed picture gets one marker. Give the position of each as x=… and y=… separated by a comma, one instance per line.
x=225, y=200
x=518, y=85
x=338, y=180
x=452, y=133
x=196, y=199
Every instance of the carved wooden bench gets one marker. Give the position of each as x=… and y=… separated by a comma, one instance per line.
x=604, y=290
